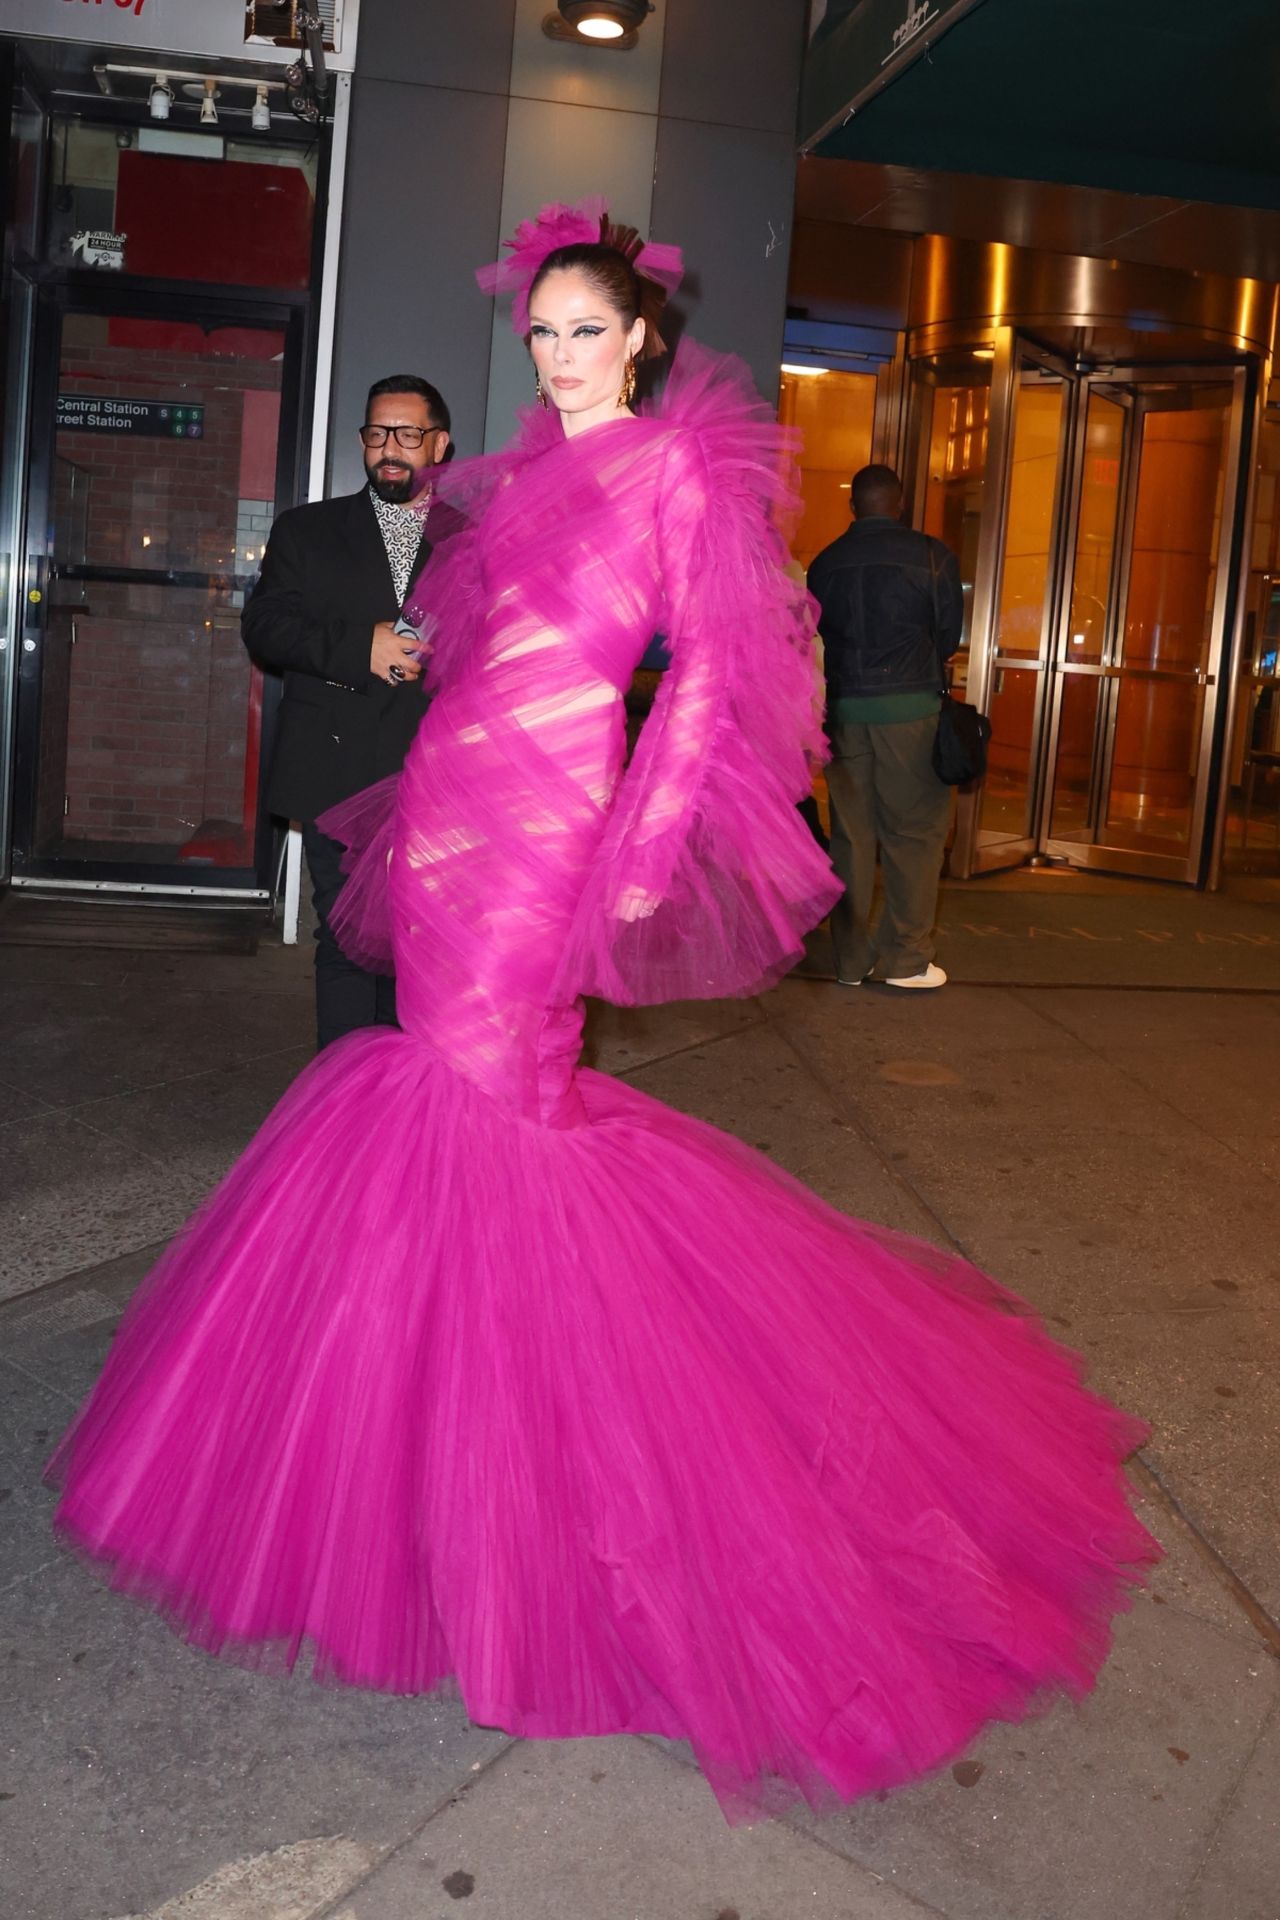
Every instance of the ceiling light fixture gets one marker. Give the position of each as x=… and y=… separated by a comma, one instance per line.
x=605, y=20
x=163, y=91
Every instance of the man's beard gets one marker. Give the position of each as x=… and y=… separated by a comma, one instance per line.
x=396, y=493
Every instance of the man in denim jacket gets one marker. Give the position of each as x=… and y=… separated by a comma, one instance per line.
x=892, y=616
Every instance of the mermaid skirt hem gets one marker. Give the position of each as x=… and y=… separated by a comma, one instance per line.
x=613, y=1427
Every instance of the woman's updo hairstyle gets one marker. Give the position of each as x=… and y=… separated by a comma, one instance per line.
x=608, y=265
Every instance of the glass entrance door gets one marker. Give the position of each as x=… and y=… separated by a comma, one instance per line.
x=140, y=717
x=1102, y=614
x=1080, y=664
x=1147, y=718
x=1018, y=647
x=22, y=186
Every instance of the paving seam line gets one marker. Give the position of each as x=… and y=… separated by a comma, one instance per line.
x=815, y=978
x=74, y=1109
x=1264, y=1623
x=691, y=1046
x=482, y=1769
x=1224, y=1810
x=1150, y=1093
x=16, y=1366
x=857, y=1123
x=81, y=1277
x=677, y=1753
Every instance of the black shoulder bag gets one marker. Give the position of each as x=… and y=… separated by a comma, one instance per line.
x=960, y=744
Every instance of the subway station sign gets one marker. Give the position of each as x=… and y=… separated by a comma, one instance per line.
x=859, y=49
x=145, y=419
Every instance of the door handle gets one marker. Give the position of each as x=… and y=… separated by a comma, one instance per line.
x=34, y=597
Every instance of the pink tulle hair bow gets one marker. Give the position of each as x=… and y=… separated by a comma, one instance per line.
x=557, y=225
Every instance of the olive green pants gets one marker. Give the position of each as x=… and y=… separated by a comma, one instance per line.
x=884, y=793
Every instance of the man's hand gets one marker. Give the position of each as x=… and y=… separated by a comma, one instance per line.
x=392, y=657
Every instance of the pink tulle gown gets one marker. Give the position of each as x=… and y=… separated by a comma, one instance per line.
x=483, y=1369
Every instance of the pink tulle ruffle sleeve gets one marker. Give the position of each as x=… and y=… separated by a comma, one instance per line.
x=708, y=877
x=360, y=920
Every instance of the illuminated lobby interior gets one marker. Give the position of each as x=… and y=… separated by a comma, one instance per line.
x=1098, y=440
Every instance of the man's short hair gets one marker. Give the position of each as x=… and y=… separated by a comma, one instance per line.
x=876, y=490
x=410, y=383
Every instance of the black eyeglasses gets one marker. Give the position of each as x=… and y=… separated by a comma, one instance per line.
x=410, y=438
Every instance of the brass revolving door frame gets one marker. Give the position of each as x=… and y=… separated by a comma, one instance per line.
x=1033, y=667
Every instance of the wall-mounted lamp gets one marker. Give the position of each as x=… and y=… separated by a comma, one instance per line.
x=160, y=99
x=609, y=21
x=261, y=115
x=208, y=111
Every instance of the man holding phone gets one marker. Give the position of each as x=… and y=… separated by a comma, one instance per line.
x=325, y=613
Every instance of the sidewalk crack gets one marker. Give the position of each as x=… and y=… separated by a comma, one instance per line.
x=1224, y=1810
x=332, y=1908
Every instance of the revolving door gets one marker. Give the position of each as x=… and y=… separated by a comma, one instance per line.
x=1094, y=511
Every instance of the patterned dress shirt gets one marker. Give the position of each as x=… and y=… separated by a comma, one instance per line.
x=401, y=529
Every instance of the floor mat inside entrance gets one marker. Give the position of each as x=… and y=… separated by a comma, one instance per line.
x=28, y=920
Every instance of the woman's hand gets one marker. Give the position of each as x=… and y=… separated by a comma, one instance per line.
x=635, y=904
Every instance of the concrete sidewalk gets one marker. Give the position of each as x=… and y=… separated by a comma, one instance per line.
x=1111, y=1155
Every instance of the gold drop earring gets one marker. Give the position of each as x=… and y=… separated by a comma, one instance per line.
x=628, y=393
x=537, y=387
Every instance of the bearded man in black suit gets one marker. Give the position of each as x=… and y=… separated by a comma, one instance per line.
x=334, y=578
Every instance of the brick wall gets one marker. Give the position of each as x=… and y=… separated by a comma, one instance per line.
x=157, y=714
x=157, y=718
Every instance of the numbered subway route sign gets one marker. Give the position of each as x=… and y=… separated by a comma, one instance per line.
x=146, y=419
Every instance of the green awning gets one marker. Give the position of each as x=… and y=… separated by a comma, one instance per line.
x=1172, y=97
x=860, y=48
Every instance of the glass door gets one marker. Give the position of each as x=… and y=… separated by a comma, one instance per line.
x=23, y=161
x=952, y=402
x=153, y=486
x=1252, y=783
x=1085, y=638
x=1003, y=821
x=1141, y=656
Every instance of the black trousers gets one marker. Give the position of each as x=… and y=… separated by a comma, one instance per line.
x=346, y=996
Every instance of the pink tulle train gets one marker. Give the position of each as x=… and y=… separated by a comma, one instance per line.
x=618, y=1428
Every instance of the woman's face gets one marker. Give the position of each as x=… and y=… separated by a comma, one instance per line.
x=580, y=348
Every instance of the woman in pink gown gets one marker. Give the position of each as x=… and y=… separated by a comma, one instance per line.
x=484, y=1369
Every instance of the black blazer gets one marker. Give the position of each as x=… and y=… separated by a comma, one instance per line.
x=325, y=583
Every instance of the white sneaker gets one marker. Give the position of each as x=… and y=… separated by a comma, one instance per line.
x=931, y=977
